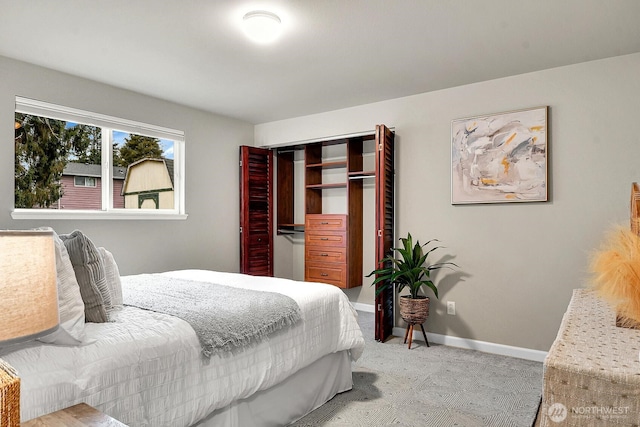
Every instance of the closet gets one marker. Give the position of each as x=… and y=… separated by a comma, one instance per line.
x=333, y=209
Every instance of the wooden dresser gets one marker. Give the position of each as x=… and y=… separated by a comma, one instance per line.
x=326, y=249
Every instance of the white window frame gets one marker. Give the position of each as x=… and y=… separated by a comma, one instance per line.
x=108, y=125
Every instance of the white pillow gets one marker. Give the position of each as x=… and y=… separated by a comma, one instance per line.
x=70, y=304
x=113, y=277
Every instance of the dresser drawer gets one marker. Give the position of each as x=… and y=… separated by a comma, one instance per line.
x=328, y=238
x=324, y=254
x=326, y=222
x=333, y=274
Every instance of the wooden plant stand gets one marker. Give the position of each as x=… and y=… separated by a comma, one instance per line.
x=409, y=334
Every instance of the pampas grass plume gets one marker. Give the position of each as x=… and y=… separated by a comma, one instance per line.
x=616, y=273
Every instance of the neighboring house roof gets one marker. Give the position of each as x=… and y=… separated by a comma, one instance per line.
x=85, y=169
x=169, y=163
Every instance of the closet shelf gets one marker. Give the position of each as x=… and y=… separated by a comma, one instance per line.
x=323, y=186
x=328, y=165
x=290, y=228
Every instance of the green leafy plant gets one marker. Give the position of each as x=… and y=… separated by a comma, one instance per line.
x=410, y=269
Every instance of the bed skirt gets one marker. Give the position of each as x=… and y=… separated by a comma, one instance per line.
x=292, y=399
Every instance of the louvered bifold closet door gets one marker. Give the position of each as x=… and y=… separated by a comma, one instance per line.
x=384, y=224
x=256, y=211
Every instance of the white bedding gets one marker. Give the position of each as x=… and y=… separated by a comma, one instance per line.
x=146, y=369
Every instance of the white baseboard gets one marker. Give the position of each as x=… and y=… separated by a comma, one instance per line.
x=368, y=308
x=487, y=347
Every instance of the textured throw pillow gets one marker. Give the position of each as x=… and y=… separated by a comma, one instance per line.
x=70, y=304
x=113, y=277
x=89, y=270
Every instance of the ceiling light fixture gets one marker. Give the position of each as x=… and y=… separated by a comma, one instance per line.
x=262, y=26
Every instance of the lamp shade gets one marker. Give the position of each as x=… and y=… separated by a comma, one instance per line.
x=28, y=287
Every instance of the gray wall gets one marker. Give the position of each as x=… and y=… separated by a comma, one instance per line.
x=207, y=239
x=519, y=262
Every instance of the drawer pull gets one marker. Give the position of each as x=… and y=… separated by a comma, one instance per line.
x=324, y=238
x=325, y=223
x=324, y=274
x=324, y=254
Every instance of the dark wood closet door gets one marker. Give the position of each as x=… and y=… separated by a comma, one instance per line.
x=256, y=211
x=384, y=224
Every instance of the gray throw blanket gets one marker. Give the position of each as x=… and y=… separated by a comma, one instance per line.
x=225, y=318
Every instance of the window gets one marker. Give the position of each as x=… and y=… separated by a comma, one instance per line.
x=84, y=181
x=76, y=164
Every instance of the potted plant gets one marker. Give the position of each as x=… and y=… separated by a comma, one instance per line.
x=411, y=269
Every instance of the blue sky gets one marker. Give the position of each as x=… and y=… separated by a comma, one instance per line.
x=118, y=137
x=165, y=144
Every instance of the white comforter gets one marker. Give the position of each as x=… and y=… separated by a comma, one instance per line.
x=146, y=369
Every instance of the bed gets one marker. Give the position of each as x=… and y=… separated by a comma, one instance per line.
x=146, y=368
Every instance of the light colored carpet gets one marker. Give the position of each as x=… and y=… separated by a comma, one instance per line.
x=432, y=386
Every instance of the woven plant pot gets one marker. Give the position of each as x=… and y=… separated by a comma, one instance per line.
x=414, y=310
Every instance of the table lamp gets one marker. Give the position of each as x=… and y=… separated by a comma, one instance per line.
x=28, y=304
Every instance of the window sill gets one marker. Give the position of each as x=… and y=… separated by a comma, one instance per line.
x=95, y=215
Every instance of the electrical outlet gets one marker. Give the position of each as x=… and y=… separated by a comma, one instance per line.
x=451, y=307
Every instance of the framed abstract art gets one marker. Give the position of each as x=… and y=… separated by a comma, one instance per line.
x=500, y=158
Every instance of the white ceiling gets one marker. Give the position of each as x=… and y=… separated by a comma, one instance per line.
x=333, y=53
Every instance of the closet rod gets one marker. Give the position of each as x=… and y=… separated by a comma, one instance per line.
x=362, y=177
